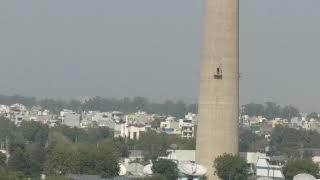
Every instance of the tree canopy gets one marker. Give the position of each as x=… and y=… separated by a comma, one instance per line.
x=298, y=166
x=290, y=141
x=231, y=167
x=166, y=168
x=126, y=105
x=155, y=144
x=270, y=110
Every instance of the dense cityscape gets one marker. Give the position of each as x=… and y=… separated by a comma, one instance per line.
x=47, y=142
x=228, y=78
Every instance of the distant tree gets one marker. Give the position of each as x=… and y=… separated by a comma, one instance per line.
x=98, y=134
x=61, y=156
x=34, y=132
x=231, y=167
x=122, y=146
x=107, y=158
x=251, y=142
x=166, y=168
x=289, y=112
x=185, y=143
x=153, y=145
x=313, y=115
x=7, y=129
x=28, y=160
x=8, y=100
x=76, y=135
x=36, y=155
x=272, y=110
x=290, y=141
x=20, y=161
x=246, y=140
x=295, y=167
x=253, y=109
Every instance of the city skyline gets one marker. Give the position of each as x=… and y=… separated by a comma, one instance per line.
x=81, y=52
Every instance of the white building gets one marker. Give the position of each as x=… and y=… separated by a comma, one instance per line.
x=186, y=127
x=129, y=130
x=264, y=169
x=65, y=112
x=252, y=159
x=170, y=126
x=72, y=120
x=19, y=108
x=4, y=109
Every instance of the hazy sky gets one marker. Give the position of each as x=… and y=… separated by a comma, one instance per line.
x=152, y=48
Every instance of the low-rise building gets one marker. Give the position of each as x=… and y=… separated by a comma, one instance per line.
x=72, y=120
x=129, y=130
x=264, y=169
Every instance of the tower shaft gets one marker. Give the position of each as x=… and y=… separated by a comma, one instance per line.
x=219, y=84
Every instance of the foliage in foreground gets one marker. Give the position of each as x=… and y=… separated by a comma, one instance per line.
x=58, y=178
x=231, y=167
x=295, y=167
x=101, y=159
x=10, y=175
x=166, y=168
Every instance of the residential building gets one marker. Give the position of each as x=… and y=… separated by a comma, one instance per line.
x=72, y=120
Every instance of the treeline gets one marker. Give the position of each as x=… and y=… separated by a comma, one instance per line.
x=126, y=105
x=294, y=142
x=270, y=110
x=35, y=149
x=283, y=141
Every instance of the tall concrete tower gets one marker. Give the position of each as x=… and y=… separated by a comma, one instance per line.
x=219, y=89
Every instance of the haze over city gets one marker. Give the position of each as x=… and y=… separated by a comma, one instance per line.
x=68, y=49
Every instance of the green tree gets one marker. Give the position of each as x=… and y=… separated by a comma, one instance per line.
x=34, y=132
x=231, y=167
x=122, y=146
x=166, y=168
x=107, y=163
x=290, y=141
x=253, y=109
x=11, y=175
x=272, y=110
x=20, y=161
x=295, y=167
x=251, y=142
x=7, y=129
x=289, y=112
x=3, y=159
x=36, y=155
x=61, y=156
x=153, y=145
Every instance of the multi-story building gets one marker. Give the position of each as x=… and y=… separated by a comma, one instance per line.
x=170, y=126
x=186, y=128
x=129, y=130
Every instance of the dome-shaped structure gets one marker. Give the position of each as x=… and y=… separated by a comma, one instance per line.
x=147, y=170
x=135, y=169
x=304, y=177
x=192, y=169
x=123, y=170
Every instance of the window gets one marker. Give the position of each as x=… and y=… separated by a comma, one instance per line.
x=218, y=73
